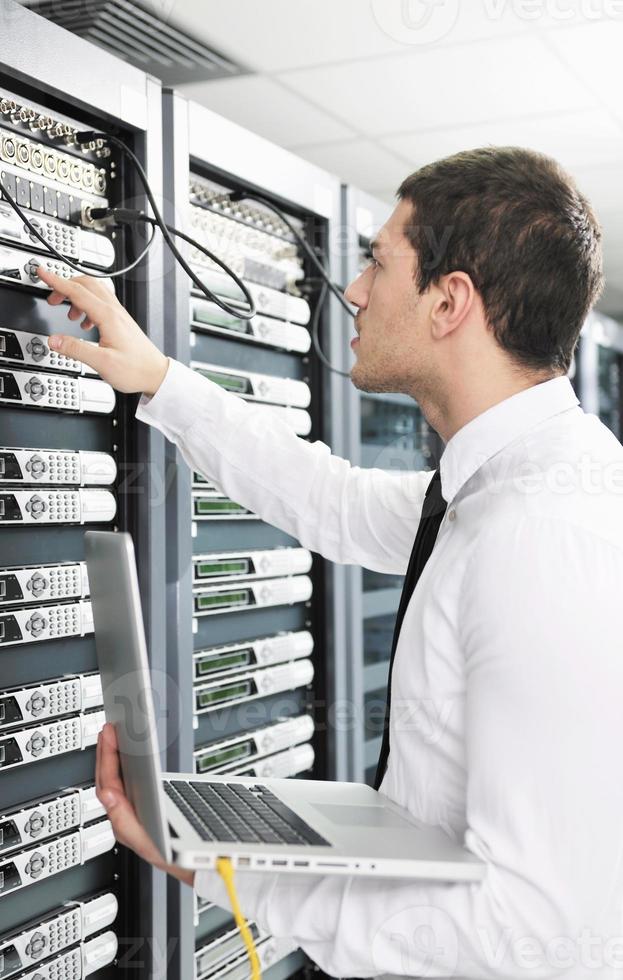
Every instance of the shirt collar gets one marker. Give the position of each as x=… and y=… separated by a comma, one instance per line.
x=492, y=430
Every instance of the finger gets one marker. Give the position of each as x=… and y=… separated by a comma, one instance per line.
x=109, y=770
x=76, y=292
x=87, y=324
x=98, y=762
x=54, y=299
x=74, y=313
x=79, y=350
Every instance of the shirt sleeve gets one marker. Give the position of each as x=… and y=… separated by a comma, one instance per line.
x=544, y=675
x=350, y=515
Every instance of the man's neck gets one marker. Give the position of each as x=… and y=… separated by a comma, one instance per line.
x=447, y=412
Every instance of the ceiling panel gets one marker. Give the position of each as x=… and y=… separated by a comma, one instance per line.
x=265, y=107
x=573, y=138
x=358, y=162
x=484, y=80
x=273, y=35
x=602, y=185
x=594, y=54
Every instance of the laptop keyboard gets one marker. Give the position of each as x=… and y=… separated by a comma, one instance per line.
x=240, y=813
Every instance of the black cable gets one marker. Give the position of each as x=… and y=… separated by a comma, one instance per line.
x=63, y=258
x=250, y=196
x=124, y=216
x=241, y=314
x=315, y=326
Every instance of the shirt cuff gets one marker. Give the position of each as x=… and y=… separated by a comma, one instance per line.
x=173, y=408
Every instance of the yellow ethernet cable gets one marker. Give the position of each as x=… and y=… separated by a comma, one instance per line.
x=226, y=870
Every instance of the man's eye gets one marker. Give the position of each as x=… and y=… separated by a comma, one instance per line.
x=371, y=260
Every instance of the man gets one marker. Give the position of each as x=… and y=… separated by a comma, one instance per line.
x=506, y=723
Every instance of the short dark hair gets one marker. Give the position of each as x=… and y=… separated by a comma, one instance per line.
x=517, y=224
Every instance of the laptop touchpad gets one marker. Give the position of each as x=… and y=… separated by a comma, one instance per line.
x=362, y=816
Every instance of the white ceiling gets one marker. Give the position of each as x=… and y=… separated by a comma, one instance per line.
x=372, y=89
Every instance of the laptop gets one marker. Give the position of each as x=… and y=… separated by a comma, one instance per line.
x=289, y=825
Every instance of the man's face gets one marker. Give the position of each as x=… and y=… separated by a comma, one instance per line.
x=392, y=348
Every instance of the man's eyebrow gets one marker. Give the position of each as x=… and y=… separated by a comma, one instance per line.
x=375, y=245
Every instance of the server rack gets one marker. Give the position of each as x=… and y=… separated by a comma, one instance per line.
x=64, y=436
x=235, y=585
x=599, y=370
x=386, y=431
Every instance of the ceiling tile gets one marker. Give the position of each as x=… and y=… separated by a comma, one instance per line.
x=358, y=162
x=487, y=79
x=265, y=107
x=273, y=35
x=563, y=136
x=594, y=54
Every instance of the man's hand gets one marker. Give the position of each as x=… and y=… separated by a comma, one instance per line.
x=125, y=357
x=126, y=826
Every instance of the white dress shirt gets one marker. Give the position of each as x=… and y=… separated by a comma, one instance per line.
x=507, y=688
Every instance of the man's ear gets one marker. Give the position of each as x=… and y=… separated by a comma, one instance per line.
x=454, y=300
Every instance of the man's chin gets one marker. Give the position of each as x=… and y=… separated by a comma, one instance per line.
x=365, y=380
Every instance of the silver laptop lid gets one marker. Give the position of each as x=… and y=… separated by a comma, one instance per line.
x=126, y=681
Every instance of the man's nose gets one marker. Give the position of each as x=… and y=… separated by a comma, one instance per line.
x=357, y=292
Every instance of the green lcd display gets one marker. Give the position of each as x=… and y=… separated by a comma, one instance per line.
x=222, y=756
x=231, y=382
x=214, y=599
x=205, y=699
x=208, y=569
x=206, y=506
x=215, y=319
x=222, y=661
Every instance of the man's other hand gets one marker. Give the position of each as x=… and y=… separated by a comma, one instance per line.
x=124, y=357
x=127, y=828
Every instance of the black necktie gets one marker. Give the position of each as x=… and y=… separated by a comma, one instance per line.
x=433, y=509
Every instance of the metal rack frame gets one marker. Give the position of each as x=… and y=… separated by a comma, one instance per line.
x=109, y=93
x=198, y=138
